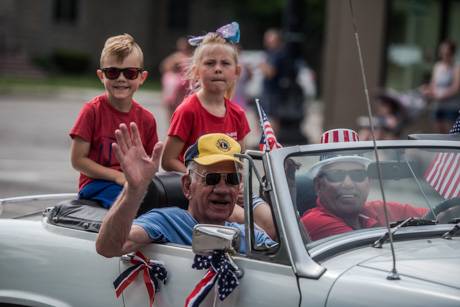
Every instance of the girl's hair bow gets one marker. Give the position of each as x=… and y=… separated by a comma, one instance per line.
x=230, y=32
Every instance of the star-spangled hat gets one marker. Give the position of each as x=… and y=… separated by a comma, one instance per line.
x=336, y=136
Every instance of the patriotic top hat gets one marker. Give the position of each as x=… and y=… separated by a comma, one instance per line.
x=336, y=136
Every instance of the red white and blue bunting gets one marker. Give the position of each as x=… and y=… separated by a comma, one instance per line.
x=152, y=272
x=220, y=270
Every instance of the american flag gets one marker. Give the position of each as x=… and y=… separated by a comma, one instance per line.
x=268, y=139
x=443, y=174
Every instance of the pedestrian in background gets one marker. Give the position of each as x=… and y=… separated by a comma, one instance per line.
x=241, y=97
x=444, y=88
x=273, y=72
x=173, y=82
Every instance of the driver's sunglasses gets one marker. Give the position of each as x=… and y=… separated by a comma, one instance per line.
x=214, y=178
x=130, y=73
x=357, y=175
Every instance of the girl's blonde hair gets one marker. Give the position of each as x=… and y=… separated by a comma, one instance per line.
x=210, y=40
x=121, y=46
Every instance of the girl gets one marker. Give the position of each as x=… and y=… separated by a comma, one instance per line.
x=212, y=75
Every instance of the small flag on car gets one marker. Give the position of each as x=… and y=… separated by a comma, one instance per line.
x=268, y=139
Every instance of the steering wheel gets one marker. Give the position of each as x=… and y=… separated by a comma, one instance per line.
x=445, y=211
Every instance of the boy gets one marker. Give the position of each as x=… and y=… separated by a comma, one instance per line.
x=121, y=71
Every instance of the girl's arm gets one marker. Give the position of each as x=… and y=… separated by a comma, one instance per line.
x=242, y=143
x=170, y=159
x=80, y=161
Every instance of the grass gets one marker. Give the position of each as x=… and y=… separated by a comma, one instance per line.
x=58, y=81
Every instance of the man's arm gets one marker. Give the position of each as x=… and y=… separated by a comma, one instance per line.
x=117, y=235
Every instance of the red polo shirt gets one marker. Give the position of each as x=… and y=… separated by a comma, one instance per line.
x=321, y=223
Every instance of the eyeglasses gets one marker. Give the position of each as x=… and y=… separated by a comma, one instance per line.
x=357, y=175
x=130, y=73
x=214, y=178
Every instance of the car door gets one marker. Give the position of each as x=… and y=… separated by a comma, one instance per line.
x=263, y=283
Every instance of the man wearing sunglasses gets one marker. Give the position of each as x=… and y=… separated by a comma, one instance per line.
x=342, y=187
x=211, y=185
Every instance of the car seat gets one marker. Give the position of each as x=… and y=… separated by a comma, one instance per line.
x=305, y=192
x=165, y=190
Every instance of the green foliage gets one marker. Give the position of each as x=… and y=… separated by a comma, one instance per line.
x=71, y=61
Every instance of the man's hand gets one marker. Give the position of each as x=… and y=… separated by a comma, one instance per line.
x=117, y=236
x=137, y=166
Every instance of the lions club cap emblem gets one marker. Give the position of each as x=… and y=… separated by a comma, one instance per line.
x=223, y=145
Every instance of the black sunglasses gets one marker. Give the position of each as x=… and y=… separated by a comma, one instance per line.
x=214, y=178
x=130, y=73
x=357, y=175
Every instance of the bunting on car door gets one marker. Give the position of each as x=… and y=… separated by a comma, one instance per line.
x=220, y=270
x=152, y=272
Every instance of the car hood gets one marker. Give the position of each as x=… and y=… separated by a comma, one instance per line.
x=434, y=260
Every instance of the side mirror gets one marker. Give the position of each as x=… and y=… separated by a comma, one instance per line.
x=208, y=238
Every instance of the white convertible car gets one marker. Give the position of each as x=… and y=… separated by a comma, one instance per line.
x=48, y=256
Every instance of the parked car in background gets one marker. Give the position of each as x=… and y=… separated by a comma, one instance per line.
x=48, y=257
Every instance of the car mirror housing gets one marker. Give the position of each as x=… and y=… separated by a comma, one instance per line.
x=208, y=238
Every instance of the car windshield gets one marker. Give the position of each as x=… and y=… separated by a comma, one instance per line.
x=337, y=192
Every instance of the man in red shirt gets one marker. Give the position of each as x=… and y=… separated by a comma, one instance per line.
x=342, y=186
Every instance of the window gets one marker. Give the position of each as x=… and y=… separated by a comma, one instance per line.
x=65, y=11
x=413, y=34
x=178, y=11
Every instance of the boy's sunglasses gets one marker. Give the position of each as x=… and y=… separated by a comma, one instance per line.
x=357, y=175
x=214, y=178
x=113, y=73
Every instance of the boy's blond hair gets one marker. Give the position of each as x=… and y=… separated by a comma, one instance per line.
x=210, y=40
x=121, y=46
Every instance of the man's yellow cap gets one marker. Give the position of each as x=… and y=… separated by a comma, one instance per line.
x=213, y=148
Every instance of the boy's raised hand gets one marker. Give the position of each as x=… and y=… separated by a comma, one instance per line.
x=137, y=166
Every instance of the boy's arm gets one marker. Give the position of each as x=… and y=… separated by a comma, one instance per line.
x=170, y=159
x=81, y=162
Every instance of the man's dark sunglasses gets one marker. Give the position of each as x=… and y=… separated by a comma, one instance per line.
x=214, y=178
x=357, y=175
x=113, y=73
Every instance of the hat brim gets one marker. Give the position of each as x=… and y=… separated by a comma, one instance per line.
x=213, y=159
x=316, y=168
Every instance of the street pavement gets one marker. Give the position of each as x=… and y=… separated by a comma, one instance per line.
x=35, y=146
